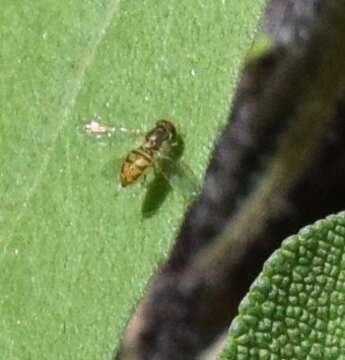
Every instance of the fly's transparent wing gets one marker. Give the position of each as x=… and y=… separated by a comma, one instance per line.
x=111, y=149
x=116, y=139
x=170, y=175
x=179, y=175
x=112, y=168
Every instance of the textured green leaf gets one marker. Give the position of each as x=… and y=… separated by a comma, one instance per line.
x=295, y=309
x=76, y=252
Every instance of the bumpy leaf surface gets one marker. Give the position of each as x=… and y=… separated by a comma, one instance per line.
x=296, y=307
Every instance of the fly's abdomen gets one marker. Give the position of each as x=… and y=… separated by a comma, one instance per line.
x=135, y=165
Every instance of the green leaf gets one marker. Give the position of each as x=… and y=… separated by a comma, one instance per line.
x=75, y=251
x=295, y=309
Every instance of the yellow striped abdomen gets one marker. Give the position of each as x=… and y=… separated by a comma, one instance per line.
x=135, y=165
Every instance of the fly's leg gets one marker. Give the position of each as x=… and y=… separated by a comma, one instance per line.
x=144, y=180
x=166, y=157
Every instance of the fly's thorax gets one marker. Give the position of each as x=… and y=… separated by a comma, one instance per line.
x=152, y=141
x=160, y=137
x=168, y=127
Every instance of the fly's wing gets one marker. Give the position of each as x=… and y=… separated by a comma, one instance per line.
x=109, y=153
x=179, y=175
x=170, y=175
x=112, y=169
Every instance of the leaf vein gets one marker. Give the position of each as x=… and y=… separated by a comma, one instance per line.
x=70, y=101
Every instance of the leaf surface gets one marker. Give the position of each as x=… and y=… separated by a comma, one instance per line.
x=76, y=252
x=295, y=308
